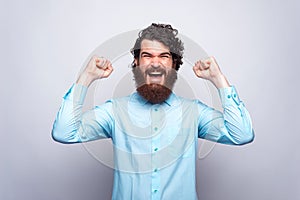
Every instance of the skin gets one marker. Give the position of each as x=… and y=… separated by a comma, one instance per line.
x=156, y=55
x=208, y=69
x=97, y=68
x=153, y=54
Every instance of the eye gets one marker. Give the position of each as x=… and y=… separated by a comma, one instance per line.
x=146, y=56
x=165, y=56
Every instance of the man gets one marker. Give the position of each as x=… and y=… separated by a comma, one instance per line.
x=154, y=131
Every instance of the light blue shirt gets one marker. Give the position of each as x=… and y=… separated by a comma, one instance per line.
x=155, y=145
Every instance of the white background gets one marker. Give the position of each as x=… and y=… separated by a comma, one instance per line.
x=43, y=45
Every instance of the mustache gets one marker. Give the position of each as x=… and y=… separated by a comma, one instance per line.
x=156, y=69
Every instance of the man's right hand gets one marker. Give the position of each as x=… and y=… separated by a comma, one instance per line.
x=97, y=68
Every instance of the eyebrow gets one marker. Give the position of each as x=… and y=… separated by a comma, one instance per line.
x=161, y=54
x=165, y=53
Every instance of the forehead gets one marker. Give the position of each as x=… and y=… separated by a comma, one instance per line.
x=153, y=46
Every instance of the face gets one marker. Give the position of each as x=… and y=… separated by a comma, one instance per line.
x=154, y=72
x=155, y=62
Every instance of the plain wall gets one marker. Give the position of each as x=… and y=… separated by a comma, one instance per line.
x=43, y=45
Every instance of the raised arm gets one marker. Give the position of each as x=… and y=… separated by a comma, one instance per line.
x=234, y=125
x=71, y=125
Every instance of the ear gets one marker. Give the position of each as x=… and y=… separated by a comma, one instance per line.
x=173, y=63
x=136, y=62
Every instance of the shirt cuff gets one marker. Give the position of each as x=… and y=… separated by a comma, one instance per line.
x=229, y=96
x=76, y=93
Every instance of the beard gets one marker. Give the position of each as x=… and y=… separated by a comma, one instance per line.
x=154, y=93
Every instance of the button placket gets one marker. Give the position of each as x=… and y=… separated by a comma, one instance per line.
x=156, y=128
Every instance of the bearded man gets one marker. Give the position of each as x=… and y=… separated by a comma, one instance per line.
x=154, y=132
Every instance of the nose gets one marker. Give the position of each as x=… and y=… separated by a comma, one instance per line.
x=155, y=65
x=155, y=62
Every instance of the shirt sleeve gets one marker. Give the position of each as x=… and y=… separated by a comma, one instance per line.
x=71, y=125
x=233, y=126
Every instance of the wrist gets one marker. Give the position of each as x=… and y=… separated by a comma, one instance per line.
x=85, y=80
x=220, y=81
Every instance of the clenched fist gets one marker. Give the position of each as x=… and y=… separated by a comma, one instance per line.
x=209, y=69
x=97, y=68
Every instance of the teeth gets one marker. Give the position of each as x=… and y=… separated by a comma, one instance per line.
x=155, y=73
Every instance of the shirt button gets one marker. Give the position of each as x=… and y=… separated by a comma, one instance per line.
x=234, y=95
x=155, y=109
x=155, y=170
x=228, y=96
x=155, y=128
x=155, y=191
x=156, y=149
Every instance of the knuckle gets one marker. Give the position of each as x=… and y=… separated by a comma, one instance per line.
x=95, y=56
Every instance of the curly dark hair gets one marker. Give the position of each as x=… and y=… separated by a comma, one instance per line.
x=165, y=34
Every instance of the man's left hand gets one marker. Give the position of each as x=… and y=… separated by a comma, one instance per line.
x=209, y=69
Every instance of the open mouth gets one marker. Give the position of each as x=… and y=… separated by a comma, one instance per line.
x=155, y=74
x=155, y=77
